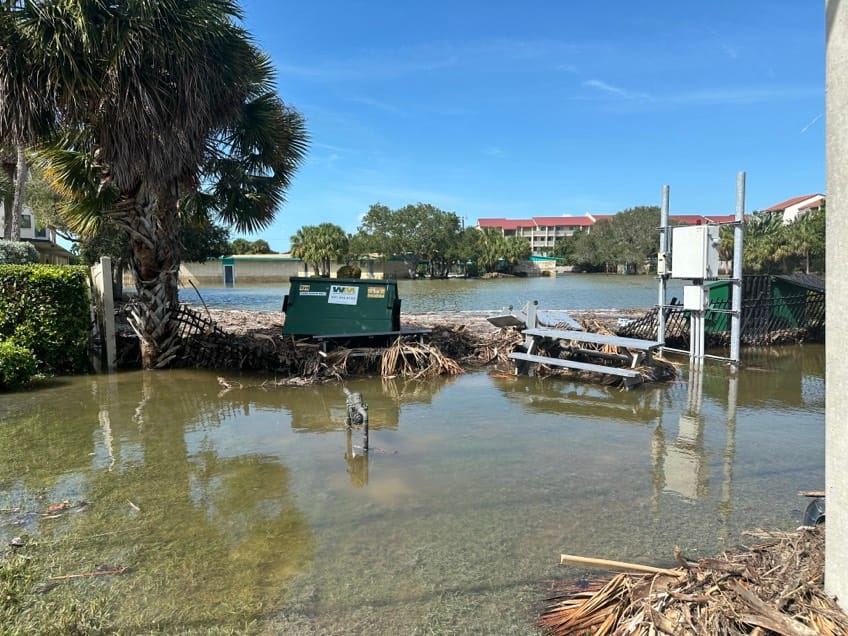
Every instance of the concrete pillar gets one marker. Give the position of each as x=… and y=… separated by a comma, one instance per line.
x=836, y=410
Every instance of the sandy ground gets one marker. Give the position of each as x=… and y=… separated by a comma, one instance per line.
x=270, y=322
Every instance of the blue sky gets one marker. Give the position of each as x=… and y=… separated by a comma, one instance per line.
x=546, y=108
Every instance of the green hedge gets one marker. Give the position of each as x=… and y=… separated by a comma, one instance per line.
x=17, y=365
x=45, y=309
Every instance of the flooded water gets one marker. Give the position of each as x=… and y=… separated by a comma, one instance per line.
x=571, y=291
x=252, y=509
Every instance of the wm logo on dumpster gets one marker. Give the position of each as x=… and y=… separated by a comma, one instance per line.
x=343, y=294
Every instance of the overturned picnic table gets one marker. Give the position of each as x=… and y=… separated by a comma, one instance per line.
x=637, y=352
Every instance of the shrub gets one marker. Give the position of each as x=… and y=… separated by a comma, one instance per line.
x=17, y=253
x=17, y=365
x=45, y=308
x=349, y=271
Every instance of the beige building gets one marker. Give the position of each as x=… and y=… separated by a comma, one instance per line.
x=797, y=207
x=44, y=239
x=541, y=231
x=273, y=268
x=544, y=231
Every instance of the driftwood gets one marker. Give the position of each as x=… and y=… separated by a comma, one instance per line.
x=606, y=564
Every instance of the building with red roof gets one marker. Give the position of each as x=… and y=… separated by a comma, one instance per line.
x=541, y=231
x=797, y=206
x=544, y=231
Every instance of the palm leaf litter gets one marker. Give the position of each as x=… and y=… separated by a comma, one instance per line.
x=772, y=587
x=252, y=341
x=252, y=346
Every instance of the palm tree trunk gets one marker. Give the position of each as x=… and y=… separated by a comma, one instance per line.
x=8, y=201
x=153, y=225
x=18, y=204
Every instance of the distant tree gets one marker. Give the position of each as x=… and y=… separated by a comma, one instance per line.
x=202, y=240
x=626, y=238
x=464, y=251
x=564, y=248
x=415, y=233
x=240, y=246
x=261, y=246
x=592, y=248
x=319, y=245
x=45, y=204
x=516, y=249
x=243, y=246
x=491, y=249
x=765, y=247
x=806, y=237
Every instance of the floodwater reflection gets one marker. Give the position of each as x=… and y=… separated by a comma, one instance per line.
x=209, y=537
x=254, y=503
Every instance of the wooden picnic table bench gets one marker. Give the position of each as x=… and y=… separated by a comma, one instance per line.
x=638, y=351
x=574, y=364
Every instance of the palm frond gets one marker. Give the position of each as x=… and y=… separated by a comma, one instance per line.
x=67, y=164
x=253, y=162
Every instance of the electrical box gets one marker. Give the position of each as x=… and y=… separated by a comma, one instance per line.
x=695, y=297
x=324, y=306
x=694, y=251
x=662, y=264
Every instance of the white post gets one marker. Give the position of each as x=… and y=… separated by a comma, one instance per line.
x=836, y=264
x=108, y=313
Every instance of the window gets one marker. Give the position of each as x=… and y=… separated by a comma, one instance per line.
x=26, y=221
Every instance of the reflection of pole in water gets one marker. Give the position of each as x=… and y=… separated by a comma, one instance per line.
x=729, y=454
x=106, y=401
x=357, y=465
x=686, y=470
x=680, y=465
x=657, y=455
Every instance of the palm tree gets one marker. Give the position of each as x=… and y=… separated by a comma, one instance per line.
x=301, y=246
x=765, y=242
x=516, y=248
x=160, y=110
x=319, y=245
x=331, y=245
x=807, y=236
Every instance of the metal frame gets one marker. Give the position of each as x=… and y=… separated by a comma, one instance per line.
x=696, y=327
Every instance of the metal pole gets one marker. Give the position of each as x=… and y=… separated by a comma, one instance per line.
x=736, y=304
x=662, y=274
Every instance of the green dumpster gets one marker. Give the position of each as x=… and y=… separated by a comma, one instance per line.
x=341, y=307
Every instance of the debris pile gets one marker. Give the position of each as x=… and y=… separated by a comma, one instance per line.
x=773, y=587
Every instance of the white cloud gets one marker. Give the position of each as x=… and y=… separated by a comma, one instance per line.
x=615, y=90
